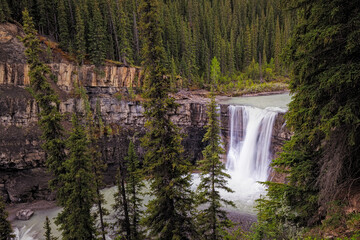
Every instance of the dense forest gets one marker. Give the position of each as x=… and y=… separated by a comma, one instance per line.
x=241, y=34
x=206, y=42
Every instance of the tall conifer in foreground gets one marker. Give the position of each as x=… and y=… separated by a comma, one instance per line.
x=76, y=220
x=212, y=220
x=134, y=187
x=169, y=214
x=322, y=158
x=128, y=197
x=5, y=227
x=94, y=131
x=48, y=101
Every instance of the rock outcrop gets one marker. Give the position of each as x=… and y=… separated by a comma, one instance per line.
x=24, y=214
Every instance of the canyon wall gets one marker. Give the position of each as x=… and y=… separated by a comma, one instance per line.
x=23, y=176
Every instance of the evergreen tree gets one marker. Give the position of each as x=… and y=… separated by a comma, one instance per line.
x=322, y=157
x=121, y=206
x=5, y=227
x=215, y=71
x=277, y=46
x=48, y=235
x=97, y=36
x=80, y=36
x=128, y=197
x=4, y=11
x=94, y=131
x=65, y=38
x=213, y=220
x=169, y=214
x=75, y=220
x=49, y=117
x=134, y=186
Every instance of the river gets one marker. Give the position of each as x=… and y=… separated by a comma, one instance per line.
x=248, y=159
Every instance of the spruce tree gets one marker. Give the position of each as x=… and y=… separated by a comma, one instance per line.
x=4, y=11
x=134, y=187
x=80, y=36
x=169, y=214
x=215, y=71
x=5, y=226
x=94, y=131
x=128, y=197
x=121, y=206
x=65, y=38
x=48, y=235
x=49, y=116
x=213, y=220
x=76, y=220
x=97, y=36
x=322, y=157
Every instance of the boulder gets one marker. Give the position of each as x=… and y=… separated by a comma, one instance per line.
x=24, y=214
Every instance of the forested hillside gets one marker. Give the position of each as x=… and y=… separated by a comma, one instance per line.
x=241, y=34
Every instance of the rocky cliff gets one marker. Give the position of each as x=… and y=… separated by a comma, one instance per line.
x=23, y=176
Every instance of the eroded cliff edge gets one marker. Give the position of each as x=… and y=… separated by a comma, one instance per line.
x=23, y=176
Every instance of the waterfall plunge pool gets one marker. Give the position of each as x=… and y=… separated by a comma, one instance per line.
x=248, y=159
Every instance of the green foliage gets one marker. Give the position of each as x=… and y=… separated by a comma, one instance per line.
x=134, y=187
x=134, y=178
x=169, y=214
x=324, y=116
x=213, y=219
x=49, y=117
x=193, y=32
x=97, y=36
x=48, y=235
x=94, y=131
x=80, y=36
x=76, y=220
x=65, y=40
x=215, y=71
x=5, y=226
x=4, y=11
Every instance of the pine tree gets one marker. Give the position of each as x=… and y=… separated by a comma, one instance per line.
x=121, y=206
x=248, y=54
x=134, y=187
x=65, y=39
x=94, y=131
x=48, y=235
x=277, y=46
x=213, y=220
x=97, y=36
x=49, y=117
x=324, y=116
x=80, y=36
x=76, y=220
x=215, y=71
x=128, y=197
x=5, y=226
x=4, y=11
x=169, y=214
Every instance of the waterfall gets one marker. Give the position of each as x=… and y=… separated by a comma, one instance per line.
x=249, y=154
x=24, y=233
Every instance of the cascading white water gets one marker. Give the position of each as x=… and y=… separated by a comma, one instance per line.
x=24, y=233
x=249, y=155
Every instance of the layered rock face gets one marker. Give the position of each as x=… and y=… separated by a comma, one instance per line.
x=23, y=176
